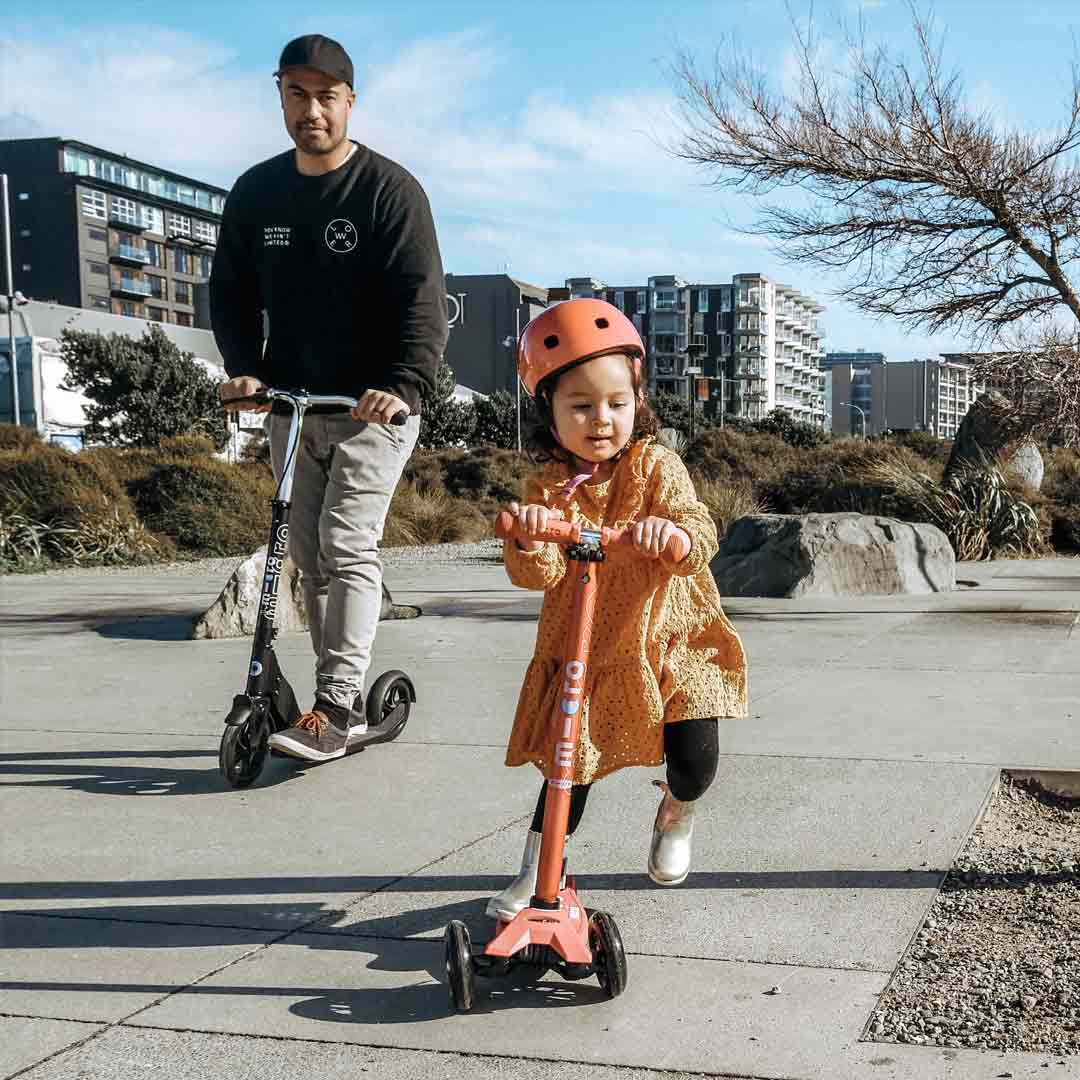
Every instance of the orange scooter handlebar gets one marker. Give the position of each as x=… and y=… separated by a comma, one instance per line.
x=566, y=532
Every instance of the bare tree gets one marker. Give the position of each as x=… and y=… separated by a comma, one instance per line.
x=941, y=217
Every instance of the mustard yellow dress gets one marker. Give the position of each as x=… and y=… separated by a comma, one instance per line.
x=662, y=649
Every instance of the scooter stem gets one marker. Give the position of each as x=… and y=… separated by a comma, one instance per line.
x=584, y=563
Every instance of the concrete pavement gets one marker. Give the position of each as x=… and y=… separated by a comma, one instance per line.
x=154, y=922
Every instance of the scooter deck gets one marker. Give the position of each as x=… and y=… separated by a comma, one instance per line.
x=565, y=930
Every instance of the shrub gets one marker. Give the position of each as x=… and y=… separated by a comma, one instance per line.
x=76, y=509
x=929, y=447
x=444, y=421
x=1065, y=529
x=208, y=507
x=431, y=517
x=187, y=446
x=496, y=420
x=1061, y=480
x=486, y=474
x=16, y=437
x=794, y=432
x=728, y=502
x=732, y=457
x=672, y=411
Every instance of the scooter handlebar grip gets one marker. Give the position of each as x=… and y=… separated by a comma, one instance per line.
x=678, y=545
x=560, y=532
x=399, y=418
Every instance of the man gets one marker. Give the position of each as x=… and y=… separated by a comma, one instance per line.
x=336, y=244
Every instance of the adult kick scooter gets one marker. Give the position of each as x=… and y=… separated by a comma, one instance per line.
x=268, y=703
x=555, y=932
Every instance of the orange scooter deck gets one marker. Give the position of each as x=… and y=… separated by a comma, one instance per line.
x=565, y=930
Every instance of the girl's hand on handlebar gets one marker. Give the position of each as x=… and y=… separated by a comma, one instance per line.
x=378, y=407
x=533, y=518
x=240, y=387
x=651, y=535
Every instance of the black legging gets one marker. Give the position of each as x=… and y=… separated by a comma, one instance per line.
x=692, y=752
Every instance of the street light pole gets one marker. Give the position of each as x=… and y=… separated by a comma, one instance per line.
x=16, y=417
x=517, y=379
x=862, y=416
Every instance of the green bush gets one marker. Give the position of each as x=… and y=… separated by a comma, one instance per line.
x=188, y=447
x=728, y=456
x=208, y=507
x=1061, y=479
x=794, y=432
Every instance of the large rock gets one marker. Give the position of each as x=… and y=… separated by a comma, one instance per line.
x=994, y=434
x=832, y=555
x=234, y=612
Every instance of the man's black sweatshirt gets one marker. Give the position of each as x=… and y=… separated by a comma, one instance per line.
x=346, y=266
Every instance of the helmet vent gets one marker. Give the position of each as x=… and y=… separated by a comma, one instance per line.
x=602, y=323
x=551, y=341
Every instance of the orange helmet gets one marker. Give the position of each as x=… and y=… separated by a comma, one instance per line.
x=570, y=331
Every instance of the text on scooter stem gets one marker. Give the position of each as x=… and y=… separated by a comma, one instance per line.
x=572, y=689
x=275, y=562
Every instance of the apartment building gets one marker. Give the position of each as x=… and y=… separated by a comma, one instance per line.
x=757, y=343
x=95, y=229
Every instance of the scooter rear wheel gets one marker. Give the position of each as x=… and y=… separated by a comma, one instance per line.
x=243, y=752
x=608, y=954
x=392, y=692
x=459, y=965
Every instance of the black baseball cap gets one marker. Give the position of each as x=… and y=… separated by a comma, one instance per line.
x=321, y=53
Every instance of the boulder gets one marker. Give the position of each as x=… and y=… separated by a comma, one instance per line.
x=832, y=555
x=1026, y=464
x=994, y=434
x=234, y=612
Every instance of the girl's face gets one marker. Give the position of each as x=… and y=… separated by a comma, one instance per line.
x=594, y=406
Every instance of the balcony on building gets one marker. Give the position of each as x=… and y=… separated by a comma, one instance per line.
x=131, y=289
x=129, y=255
x=127, y=226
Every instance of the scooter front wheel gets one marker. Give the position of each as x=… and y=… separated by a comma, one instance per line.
x=459, y=965
x=243, y=752
x=389, y=703
x=609, y=957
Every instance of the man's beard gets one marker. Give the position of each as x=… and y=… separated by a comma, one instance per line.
x=327, y=145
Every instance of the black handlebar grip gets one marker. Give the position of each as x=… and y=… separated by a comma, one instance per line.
x=399, y=418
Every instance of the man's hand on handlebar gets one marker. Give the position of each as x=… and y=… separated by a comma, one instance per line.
x=378, y=407
x=533, y=518
x=241, y=387
x=651, y=535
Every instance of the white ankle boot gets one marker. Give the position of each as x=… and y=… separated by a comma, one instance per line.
x=669, y=854
x=517, y=895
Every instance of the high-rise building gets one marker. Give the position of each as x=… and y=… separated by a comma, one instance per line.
x=95, y=229
x=757, y=343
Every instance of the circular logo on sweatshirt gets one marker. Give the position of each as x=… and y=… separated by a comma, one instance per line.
x=341, y=235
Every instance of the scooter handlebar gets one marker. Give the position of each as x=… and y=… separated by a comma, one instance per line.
x=264, y=397
x=567, y=532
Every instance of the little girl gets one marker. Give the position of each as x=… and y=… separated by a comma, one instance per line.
x=665, y=663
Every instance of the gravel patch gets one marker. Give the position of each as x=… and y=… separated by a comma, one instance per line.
x=996, y=965
x=483, y=552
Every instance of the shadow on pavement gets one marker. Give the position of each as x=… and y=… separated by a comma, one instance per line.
x=99, y=779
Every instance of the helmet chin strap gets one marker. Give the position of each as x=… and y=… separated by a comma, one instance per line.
x=574, y=482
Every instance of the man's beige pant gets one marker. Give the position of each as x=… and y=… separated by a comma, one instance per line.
x=346, y=473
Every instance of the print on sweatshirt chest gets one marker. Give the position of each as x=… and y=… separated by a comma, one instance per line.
x=339, y=236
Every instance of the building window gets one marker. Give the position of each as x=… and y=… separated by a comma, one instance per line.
x=183, y=318
x=152, y=219
x=156, y=252
x=125, y=210
x=643, y=300
x=155, y=314
x=205, y=231
x=24, y=232
x=620, y=299
x=703, y=301
x=157, y=286
x=207, y=263
x=99, y=268
x=725, y=299
x=24, y=196
x=181, y=261
x=128, y=309
x=179, y=225
x=93, y=204
x=101, y=302
x=725, y=342
x=26, y=268
x=182, y=292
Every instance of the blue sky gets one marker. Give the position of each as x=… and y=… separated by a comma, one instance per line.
x=536, y=128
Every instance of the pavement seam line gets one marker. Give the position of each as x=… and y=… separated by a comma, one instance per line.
x=464, y=1054
x=56, y=1053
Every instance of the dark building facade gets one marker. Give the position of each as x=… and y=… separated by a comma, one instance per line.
x=487, y=313
x=94, y=229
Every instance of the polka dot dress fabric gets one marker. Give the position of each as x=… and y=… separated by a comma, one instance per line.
x=662, y=649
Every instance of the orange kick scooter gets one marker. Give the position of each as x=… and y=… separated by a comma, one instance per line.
x=555, y=932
